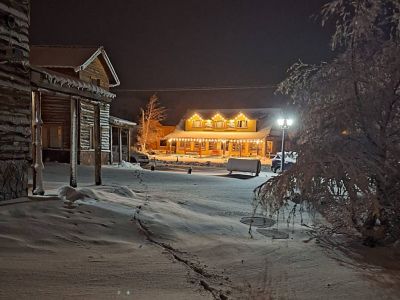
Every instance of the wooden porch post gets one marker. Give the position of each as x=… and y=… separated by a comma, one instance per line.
x=128, y=142
x=33, y=139
x=73, y=144
x=39, y=190
x=119, y=145
x=97, y=145
x=111, y=145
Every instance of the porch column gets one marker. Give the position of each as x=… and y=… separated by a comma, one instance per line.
x=97, y=145
x=39, y=190
x=111, y=145
x=119, y=145
x=207, y=147
x=230, y=148
x=263, y=148
x=219, y=147
x=128, y=142
x=73, y=144
x=33, y=139
x=246, y=148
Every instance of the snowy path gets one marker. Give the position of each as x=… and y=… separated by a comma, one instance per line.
x=196, y=220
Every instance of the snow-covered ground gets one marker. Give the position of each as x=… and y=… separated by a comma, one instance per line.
x=170, y=235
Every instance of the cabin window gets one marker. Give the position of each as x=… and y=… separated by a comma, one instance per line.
x=163, y=143
x=95, y=81
x=241, y=124
x=52, y=136
x=196, y=124
x=203, y=146
x=91, y=137
x=219, y=124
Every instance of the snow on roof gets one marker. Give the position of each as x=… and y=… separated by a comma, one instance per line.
x=75, y=57
x=218, y=135
x=61, y=80
x=265, y=117
x=121, y=122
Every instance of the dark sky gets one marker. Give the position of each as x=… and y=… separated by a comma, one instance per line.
x=157, y=44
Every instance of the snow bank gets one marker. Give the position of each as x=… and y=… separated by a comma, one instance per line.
x=114, y=194
x=128, y=165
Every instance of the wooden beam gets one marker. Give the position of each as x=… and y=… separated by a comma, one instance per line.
x=119, y=145
x=97, y=145
x=111, y=145
x=33, y=117
x=39, y=190
x=73, y=144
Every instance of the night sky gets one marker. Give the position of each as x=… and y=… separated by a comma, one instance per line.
x=189, y=43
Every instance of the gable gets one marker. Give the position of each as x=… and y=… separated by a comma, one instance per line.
x=96, y=74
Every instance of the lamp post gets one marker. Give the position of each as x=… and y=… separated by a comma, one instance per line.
x=284, y=123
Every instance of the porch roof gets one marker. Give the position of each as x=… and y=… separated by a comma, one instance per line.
x=224, y=135
x=54, y=81
x=114, y=121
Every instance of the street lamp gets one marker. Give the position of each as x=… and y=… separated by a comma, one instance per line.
x=284, y=123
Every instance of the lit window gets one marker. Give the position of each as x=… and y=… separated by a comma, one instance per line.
x=230, y=124
x=219, y=124
x=235, y=146
x=196, y=124
x=241, y=124
x=212, y=146
x=208, y=124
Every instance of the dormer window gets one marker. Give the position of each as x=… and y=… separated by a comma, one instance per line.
x=241, y=124
x=230, y=124
x=197, y=124
x=219, y=124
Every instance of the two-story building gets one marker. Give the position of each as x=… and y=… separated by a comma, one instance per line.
x=226, y=132
x=71, y=101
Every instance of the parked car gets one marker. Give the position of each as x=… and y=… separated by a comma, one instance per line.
x=290, y=160
x=139, y=157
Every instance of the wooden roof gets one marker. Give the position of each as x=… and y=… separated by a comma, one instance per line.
x=73, y=57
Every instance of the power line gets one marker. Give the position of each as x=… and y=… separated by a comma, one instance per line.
x=203, y=88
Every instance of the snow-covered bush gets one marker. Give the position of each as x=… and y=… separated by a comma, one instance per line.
x=348, y=142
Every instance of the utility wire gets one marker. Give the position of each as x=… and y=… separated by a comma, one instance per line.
x=203, y=88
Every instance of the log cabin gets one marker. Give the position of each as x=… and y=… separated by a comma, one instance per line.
x=226, y=133
x=15, y=91
x=71, y=101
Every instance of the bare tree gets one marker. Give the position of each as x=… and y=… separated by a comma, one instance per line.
x=149, y=126
x=349, y=136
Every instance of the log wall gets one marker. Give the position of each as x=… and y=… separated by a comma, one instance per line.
x=86, y=123
x=15, y=99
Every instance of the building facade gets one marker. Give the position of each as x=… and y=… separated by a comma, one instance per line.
x=15, y=99
x=226, y=133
